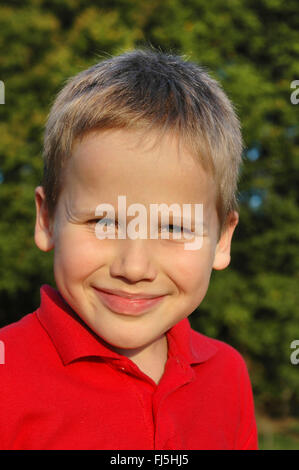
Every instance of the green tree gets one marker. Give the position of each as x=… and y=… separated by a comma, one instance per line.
x=252, y=47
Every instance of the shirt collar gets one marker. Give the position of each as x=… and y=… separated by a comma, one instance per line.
x=73, y=339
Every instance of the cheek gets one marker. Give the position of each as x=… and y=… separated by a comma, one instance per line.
x=193, y=269
x=77, y=254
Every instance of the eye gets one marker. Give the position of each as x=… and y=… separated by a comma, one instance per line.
x=104, y=221
x=172, y=228
x=175, y=233
x=175, y=228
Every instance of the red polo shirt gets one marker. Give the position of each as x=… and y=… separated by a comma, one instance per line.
x=62, y=387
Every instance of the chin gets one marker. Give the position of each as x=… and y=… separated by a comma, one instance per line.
x=129, y=343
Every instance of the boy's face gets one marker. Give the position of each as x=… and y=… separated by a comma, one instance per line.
x=103, y=166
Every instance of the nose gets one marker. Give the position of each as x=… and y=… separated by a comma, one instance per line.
x=133, y=261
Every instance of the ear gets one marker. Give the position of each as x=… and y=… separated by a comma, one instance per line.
x=222, y=252
x=43, y=231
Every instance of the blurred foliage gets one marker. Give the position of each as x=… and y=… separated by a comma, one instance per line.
x=252, y=47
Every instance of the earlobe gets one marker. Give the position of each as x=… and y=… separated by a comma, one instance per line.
x=222, y=252
x=43, y=236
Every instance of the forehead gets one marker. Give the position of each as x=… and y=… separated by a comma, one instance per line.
x=106, y=164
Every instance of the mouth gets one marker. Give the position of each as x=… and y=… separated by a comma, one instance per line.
x=126, y=303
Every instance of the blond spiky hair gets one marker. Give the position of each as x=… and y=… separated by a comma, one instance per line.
x=150, y=90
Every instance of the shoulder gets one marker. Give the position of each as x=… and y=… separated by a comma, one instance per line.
x=21, y=330
x=22, y=343
x=222, y=354
x=225, y=371
x=227, y=392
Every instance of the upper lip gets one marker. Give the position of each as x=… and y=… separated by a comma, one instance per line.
x=129, y=295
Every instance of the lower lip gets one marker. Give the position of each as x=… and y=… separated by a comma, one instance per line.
x=127, y=306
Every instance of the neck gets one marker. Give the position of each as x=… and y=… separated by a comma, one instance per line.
x=151, y=358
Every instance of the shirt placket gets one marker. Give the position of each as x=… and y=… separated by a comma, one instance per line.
x=177, y=374
x=143, y=387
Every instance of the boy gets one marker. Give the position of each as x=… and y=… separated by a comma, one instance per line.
x=109, y=360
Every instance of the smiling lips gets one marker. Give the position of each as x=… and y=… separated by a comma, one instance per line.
x=126, y=303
